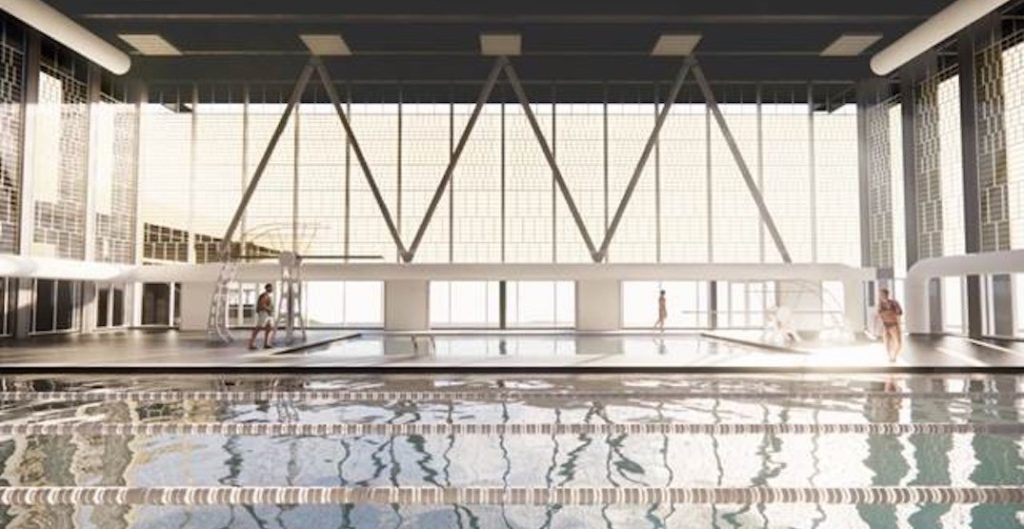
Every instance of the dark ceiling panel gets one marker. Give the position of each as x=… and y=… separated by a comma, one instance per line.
x=569, y=40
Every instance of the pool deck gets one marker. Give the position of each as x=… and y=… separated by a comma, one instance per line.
x=349, y=351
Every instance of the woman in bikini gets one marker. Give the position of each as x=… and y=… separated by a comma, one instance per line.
x=890, y=311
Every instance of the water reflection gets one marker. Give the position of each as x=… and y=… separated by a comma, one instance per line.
x=554, y=461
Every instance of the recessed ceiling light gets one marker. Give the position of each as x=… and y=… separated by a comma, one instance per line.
x=850, y=45
x=149, y=44
x=326, y=45
x=508, y=44
x=676, y=45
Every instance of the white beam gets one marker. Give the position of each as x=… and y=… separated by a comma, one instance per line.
x=323, y=271
x=931, y=33
x=62, y=29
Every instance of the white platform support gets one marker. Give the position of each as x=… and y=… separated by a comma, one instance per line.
x=290, y=314
x=986, y=263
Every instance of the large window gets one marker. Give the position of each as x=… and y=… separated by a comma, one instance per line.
x=953, y=305
x=344, y=303
x=473, y=304
x=691, y=204
x=110, y=305
x=686, y=301
x=161, y=304
x=540, y=304
x=12, y=79
x=56, y=306
x=744, y=304
x=61, y=155
x=498, y=304
x=8, y=305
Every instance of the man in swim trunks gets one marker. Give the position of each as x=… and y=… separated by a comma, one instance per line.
x=264, y=318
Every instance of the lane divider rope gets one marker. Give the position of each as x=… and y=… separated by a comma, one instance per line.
x=419, y=428
x=347, y=395
x=50, y=496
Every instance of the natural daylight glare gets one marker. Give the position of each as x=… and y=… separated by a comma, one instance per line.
x=531, y=265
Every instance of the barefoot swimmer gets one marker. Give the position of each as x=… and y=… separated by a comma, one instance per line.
x=890, y=312
x=264, y=318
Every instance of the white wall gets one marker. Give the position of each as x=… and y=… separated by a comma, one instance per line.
x=406, y=305
x=598, y=305
x=195, y=305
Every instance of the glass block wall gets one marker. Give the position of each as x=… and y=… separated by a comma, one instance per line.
x=115, y=156
x=691, y=203
x=12, y=76
x=61, y=153
x=165, y=179
x=880, y=174
x=1012, y=84
x=928, y=173
x=994, y=106
x=883, y=142
x=951, y=165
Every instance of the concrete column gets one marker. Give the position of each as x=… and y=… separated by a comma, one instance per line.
x=92, y=166
x=133, y=291
x=90, y=295
x=909, y=165
x=406, y=305
x=969, y=154
x=598, y=305
x=23, y=308
x=195, y=305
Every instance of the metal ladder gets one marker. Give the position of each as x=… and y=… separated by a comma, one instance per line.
x=217, y=320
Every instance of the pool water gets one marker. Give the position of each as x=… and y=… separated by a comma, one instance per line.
x=512, y=451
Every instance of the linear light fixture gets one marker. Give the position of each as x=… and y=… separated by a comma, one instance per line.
x=675, y=45
x=62, y=29
x=850, y=44
x=329, y=45
x=931, y=33
x=501, y=44
x=150, y=44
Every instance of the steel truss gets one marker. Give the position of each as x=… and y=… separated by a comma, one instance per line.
x=502, y=65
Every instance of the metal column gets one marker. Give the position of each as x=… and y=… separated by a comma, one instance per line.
x=969, y=150
x=27, y=204
x=865, y=93
x=909, y=165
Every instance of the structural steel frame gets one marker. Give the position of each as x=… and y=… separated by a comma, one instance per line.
x=502, y=64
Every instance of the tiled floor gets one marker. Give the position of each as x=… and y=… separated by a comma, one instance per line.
x=142, y=349
x=495, y=351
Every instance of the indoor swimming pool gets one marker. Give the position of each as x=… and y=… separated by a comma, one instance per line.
x=512, y=451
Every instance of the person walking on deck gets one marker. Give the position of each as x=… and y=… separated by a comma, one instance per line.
x=662, y=312
x=264, y=318
x=890, y=312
